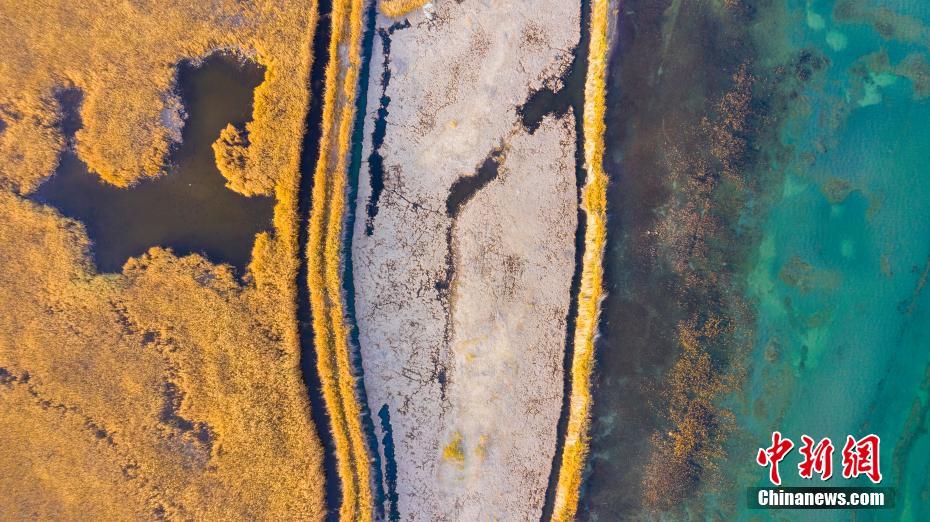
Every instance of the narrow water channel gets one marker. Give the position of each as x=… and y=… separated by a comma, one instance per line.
x=309, y=153
x=189, y=210
x=385, y=498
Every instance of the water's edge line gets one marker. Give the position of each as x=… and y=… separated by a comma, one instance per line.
x=579, y=62
x=594, y=203
x=348, y=278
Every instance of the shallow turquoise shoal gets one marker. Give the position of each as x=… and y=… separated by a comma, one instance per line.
x=842, y=334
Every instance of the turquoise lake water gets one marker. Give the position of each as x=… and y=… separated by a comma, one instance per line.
x=842, y=333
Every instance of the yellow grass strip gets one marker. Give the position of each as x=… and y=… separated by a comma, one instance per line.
x=331, y=337
x=396, y=8
x=594, y=202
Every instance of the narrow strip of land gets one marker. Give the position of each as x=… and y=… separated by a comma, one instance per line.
x=324, y=263
x=594, y=203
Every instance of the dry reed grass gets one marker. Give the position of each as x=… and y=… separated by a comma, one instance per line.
x=124, y=57
x=591, y=292
x=170, y=389
x=398, y=8
x=324, y=260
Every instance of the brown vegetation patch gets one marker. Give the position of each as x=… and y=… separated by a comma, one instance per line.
x=889, y=24
x=836, y=190
x=915, y=67
x=694, y=237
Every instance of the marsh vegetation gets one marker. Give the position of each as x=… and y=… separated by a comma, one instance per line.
x=324, y=252
x=594, y=202
x=171, y=386
x=190, y=210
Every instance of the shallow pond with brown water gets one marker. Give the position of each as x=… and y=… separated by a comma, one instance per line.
x=188, y=210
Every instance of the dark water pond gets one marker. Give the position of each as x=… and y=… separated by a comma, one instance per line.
x=189, y=210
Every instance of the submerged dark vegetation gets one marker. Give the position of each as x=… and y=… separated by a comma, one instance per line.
x=689, y=110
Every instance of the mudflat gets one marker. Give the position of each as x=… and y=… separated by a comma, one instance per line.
x=463, y=254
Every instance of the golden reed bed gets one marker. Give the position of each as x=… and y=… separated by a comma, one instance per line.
x=324, y=258
x=169, y=389
x=397, y=8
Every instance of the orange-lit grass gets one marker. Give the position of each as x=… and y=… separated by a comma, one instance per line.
x=85, y=430
x=591, y=291
x=396, y=8
x=124, y=58
x=324, y=249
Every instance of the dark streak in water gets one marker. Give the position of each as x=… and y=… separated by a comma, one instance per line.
x=188, y=210
x=546, y=101
x=375, y=161
x=465, y=188
x=461, y=192
x=70, y=100
x=310, y=153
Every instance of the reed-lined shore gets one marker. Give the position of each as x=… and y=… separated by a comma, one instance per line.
x=324, y=260
x=594, y=203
